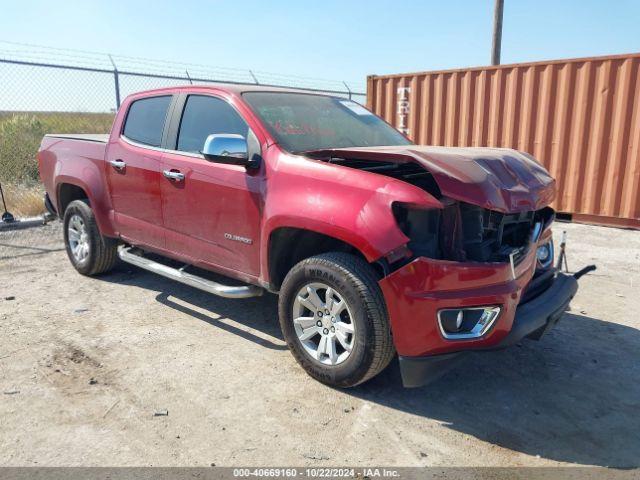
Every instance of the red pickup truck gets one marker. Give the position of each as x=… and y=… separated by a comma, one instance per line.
x=376, y=246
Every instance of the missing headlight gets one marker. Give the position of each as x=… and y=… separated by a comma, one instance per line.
x=421, y=227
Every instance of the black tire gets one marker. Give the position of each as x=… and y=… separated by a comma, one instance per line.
x=102, y=253
x=356, y=282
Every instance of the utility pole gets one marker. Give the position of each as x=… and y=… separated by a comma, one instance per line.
x=497, y=32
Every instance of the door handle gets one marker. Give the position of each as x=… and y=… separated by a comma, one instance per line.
x=173, y=175
x=118, y=164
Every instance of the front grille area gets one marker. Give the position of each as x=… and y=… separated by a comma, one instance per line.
x=472, y=233
x=464, y=232
x=489, y=236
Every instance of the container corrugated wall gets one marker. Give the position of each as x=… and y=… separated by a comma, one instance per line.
x=579, y=117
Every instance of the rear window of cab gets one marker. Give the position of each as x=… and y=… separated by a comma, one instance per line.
x=145, y=120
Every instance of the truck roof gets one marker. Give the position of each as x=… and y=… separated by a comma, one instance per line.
x=239, y=89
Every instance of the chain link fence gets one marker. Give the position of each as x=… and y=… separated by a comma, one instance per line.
x=46, y=90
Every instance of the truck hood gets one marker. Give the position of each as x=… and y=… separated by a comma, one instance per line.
x=499, y=179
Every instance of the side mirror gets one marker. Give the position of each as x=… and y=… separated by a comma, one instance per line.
x=226, y=148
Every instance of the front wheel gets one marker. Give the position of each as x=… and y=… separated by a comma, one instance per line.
x=334, y=319
x=90, y=253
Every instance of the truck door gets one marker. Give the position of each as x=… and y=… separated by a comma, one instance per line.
x=133, y=166
x=211, y=211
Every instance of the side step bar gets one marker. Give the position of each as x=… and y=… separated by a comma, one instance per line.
x=227, y=291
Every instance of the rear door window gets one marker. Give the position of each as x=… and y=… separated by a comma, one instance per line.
x=145, y=120
x=204, y=116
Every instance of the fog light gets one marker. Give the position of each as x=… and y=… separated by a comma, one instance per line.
x=466, y=323
x=544, y=254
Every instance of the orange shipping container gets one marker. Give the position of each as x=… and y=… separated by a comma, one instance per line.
x=579, y=117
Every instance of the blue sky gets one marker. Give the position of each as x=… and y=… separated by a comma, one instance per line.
x=328, y=39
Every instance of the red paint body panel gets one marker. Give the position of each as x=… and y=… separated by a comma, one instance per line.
x=79, y=163
x=351, y=205
x=209, y=203
x=135, y=193
x=188, y=221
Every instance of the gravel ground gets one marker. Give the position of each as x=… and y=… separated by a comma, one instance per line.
x=133, y=369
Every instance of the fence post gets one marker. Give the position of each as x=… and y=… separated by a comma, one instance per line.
x=348, y=89
x=117, y=82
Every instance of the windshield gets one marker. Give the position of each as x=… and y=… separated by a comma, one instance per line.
x=302, y=122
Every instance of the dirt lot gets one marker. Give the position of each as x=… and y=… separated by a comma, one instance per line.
x=85, y=363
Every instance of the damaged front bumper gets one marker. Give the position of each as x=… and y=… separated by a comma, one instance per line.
x=532, y=320
x=417, y=292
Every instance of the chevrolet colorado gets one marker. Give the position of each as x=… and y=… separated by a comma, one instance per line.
x=376, y=246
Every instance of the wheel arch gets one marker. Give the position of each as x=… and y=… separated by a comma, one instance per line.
x=288, y=245
x=67, y=193
x=68, y=189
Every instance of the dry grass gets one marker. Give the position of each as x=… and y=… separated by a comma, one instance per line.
x=23, y=201
x=20, y=137
x=22, y=132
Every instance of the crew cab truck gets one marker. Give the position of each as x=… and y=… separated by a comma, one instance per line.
x=375, y=246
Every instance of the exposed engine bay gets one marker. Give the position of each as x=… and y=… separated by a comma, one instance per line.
x=460, y=231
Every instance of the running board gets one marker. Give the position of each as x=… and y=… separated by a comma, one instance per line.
x=227, y=291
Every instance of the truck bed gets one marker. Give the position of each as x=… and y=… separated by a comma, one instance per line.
x=64, y=157
x=88, y=137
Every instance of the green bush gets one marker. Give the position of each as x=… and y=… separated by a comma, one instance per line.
x=22, y=132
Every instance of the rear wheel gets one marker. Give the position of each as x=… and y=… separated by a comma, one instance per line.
x=334, y=319
x=89, y=252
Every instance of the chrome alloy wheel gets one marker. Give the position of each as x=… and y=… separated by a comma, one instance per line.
x=78, y=238
x=323, y=323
